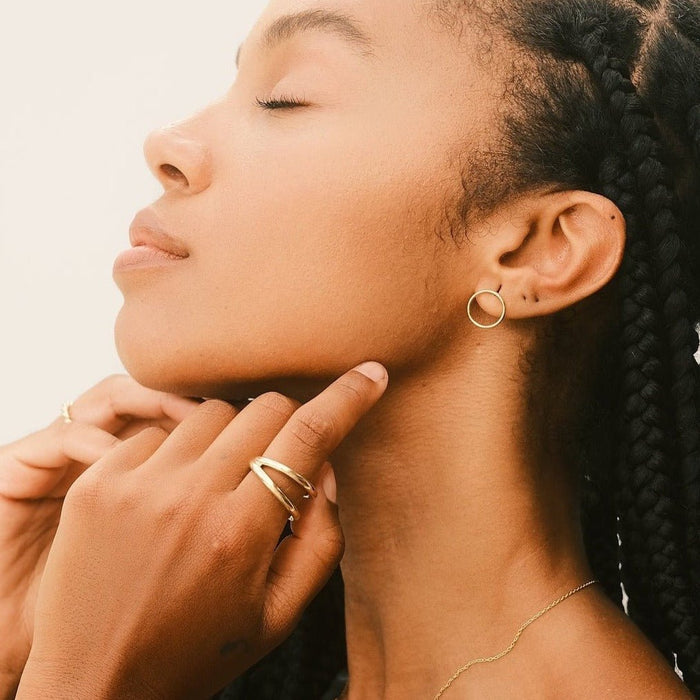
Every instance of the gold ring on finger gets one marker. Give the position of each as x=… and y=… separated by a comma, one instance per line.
x=65, y=412
x=257, y=464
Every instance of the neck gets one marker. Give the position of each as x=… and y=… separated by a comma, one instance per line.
x=452, y=539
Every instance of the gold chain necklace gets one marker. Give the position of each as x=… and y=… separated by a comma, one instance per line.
x=499, y=655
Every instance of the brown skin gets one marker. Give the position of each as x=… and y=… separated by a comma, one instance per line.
x=164, y=579
x=312, y=246
x=36, y=472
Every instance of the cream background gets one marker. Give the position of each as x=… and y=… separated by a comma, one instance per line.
x=82, y=85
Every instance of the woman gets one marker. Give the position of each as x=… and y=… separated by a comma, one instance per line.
x=499, y=203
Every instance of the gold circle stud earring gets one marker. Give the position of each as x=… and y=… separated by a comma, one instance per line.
x=474, y=296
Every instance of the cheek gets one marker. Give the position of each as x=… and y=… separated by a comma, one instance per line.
x=330, y=244
x=311, y=265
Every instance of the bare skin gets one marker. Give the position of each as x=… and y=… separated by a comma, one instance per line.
x=312, y=243
x=166, y=578
x=35, y=474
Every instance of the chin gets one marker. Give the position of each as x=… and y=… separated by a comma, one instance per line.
x=174, y=359
x=176, y=374
x=146, y=358
x=153, y=374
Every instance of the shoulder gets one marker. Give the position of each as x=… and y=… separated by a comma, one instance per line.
x=588, y=650
x=630, y=671
x=612, y=658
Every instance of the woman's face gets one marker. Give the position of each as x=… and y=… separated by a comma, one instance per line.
x=312, y=231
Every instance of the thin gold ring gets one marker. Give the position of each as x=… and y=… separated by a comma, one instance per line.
x=257, y=464
x=65, y=412
x=486, y=291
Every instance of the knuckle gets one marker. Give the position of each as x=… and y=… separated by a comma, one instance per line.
x=216, y=408
x=278, y=403
x=86, y=492
x=87, y=431
x=110, y=400
x=128, y=496
x=313, y=429
x=279, y=618
x=225, y=548
x=177, y=508
x=275, y=627
x=328, y=548
x=114, y=382
x=353, y=386
x=333, y=544
x=154, y=432
x=230, y=545
x=112, y=441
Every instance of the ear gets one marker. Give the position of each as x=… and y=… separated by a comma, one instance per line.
x=547, y=252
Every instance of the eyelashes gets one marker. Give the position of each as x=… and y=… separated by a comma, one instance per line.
x=282, y=102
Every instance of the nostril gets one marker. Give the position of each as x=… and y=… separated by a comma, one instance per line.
x=173, y=173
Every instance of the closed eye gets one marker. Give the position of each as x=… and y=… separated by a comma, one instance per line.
x=282, y=102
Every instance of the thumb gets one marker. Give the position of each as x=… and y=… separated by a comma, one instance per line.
x=304, y=561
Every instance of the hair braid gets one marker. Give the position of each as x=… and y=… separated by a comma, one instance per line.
x=641, y=435
x=598, y=513
x=586, y=32
x=643, y=141
x=670, y=256
x=671, y=78
x=672, y=87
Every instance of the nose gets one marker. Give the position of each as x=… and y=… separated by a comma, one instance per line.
x=177, y=160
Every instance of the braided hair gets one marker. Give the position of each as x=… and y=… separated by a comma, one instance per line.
x=601, y=95
x=651, y=488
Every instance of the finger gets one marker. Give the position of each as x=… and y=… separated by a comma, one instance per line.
x=194, y=434
x=80, y=442
x=35, y=465
x=225, y=462
x=130, y=454
x=302, y=564
x=119, y=398
x=138, y=424
x=307, y=439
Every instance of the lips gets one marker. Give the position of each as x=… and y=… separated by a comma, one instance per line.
x=147, y=229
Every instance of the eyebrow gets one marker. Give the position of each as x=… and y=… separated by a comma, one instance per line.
x=330, y=21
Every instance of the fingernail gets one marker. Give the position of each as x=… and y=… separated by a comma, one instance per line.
x=373, y=370
x=328, y=484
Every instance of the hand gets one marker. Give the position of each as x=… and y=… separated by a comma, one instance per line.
x=35, y=474
x=165, y=579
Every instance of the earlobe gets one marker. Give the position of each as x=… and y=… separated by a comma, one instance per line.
x=496, y=295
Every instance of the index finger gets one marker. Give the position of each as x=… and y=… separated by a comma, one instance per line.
x=119, y=399
x=306, y=440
